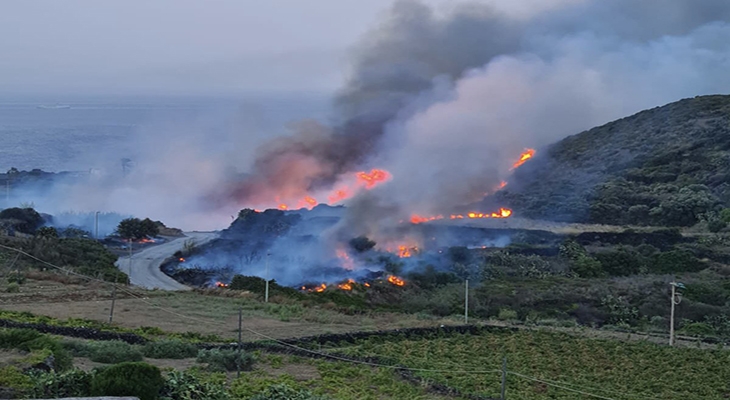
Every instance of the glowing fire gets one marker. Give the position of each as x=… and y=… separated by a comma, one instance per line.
x=396, y=280
x=373, y=178
x=321, y=288
x=181, y=259
x=283, y=207
x=346, y=285
x=405, y=251
x=528, y=154
x=221, y=285
x=146, y=240
x=501, y=186
x=338, y=195
x=502, y=213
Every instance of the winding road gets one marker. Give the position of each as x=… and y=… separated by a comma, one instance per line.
x=145, y=265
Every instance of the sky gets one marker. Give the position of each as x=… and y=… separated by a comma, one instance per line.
x=213, y=47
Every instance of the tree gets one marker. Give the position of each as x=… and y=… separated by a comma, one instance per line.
x=362, y=244
x=134, y=228
x=47, y=232
x=25, y=220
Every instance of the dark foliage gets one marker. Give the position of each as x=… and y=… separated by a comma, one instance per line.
x=128, y=379
x=362, y=244
x=25, y=220
x=136, y=229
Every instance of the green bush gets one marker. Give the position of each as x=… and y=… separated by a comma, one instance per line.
x=77, y=348
x=16, y=277
x=14, y=378
x=225, y=360
x=12, y=287
x=506, y=314
x=114, y=352
x=128, y=379
x=13, y=338
x=286, y=392
x=62, y=360
x=173, y=349
x=185, y=385
x=74, y=383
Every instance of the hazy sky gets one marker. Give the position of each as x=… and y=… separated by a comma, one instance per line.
x=188, y=46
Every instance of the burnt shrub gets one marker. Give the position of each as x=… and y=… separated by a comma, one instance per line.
x=257, y=285
x=128, y=379
x=25, y=220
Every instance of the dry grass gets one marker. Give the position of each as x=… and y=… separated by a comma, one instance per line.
x=188, y=311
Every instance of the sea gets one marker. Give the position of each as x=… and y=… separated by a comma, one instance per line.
x=63, y=133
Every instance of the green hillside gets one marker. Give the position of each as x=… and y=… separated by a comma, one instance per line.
x=665, y=166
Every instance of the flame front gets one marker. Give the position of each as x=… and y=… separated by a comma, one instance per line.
x=373, y=178
x=221, y=285
x=396, y=280
x=528, y=154
x=346, y=285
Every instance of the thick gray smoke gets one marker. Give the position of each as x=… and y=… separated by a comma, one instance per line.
x=447, y=102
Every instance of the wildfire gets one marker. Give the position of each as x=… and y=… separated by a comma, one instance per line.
x=283, y=207
x=181, y=259
x=321, y=288
x=501, y=186
x=338, y=195
x=526, y=155
x=146, y=240
x=346, y=285
x=396, y=280
x=376, y=176
x=502, y=213
x=405, y=251
x=221, y=285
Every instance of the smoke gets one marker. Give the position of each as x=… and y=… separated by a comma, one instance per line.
x=444, y=100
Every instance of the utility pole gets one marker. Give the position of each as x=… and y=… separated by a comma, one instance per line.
x=238, y=359
x=266, y=295
x=676, y=299
x=504, y=378
x=130, y=260
x=114, y=299
x=96, y=225
x=466, y=302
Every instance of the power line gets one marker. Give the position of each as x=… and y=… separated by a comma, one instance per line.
x=557, y=384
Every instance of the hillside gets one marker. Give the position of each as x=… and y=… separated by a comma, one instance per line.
x=664, y=166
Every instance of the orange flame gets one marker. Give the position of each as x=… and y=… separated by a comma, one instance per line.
x=372, y=179
x=181, y=259
x=417, y=219
x=283, y=207
x=503, y=213
x=339, y=195
x=321, y=288
x=396, y=280
x=366, y=284
x=221, y=285
x=405, y=251
x=346, y=285
x=528, y=153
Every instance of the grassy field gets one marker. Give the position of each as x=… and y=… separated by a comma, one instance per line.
x=613, y=369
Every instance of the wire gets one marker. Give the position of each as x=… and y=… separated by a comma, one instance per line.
x=559, y=383
x=560, y=386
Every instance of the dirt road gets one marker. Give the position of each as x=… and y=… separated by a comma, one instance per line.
x=145, y=266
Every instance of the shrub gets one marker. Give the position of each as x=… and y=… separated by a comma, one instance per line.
x=286, y=392
x=506, y=314
x=13, y=338
x=12, y=288
x=77, y=348
x=173, y=349
x=716, y=225
x=74, y=383
x=128, y=379
x=13, y=378
x=16, y=277
x=62, y=360
x=114, y=352
x=184, y=385
x=225, y=360
x=697, y=329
